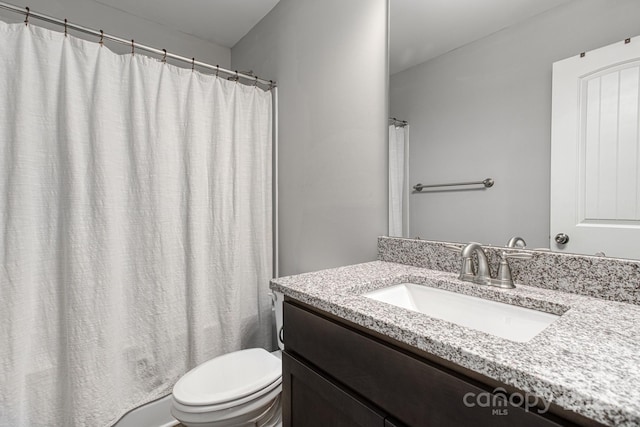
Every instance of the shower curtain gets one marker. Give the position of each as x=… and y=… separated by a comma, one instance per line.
x=397, y=180
x=135, y=226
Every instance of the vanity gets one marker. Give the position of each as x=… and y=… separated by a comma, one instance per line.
x=356, y=358
x=337, y=374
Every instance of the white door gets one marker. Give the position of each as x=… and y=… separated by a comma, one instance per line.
x=595, y=153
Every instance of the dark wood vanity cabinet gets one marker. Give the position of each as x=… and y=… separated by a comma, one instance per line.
x=336, y=375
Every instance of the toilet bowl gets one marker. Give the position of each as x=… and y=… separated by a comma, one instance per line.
x=236, y=389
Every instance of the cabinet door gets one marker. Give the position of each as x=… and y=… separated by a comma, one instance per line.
x=414, y=392
x=310, y=400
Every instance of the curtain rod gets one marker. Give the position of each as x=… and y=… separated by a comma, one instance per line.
x=104, y=36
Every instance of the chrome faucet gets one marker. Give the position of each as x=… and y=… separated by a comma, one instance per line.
x=467, y=273
x=516, y=242
x=483, y=276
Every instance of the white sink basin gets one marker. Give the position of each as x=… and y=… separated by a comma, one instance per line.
x=503, y=320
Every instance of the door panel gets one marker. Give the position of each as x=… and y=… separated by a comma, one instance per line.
x=595, y=159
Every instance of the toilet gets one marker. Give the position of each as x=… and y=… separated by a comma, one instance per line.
x=236, y=389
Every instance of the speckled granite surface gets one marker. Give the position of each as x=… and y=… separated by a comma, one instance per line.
x=608, y=278
x=587, y=361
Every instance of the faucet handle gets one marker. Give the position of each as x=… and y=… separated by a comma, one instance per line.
x=504, y=278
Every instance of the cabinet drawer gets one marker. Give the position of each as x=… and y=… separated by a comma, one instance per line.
x=412, y=390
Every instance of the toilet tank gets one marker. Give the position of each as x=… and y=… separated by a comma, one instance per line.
x=278, y=304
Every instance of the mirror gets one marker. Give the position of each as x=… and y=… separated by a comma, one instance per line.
x=477, y=94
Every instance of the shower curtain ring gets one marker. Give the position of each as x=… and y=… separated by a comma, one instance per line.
x=256, y=83
x=237, y=77
x=66, y=28
x=193, y=64
x=217, y=69
x=133, y=47
x=26, y=18
x=101, y=42
x=164, y=57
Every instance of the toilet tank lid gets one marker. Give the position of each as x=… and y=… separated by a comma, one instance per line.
x=228, y=377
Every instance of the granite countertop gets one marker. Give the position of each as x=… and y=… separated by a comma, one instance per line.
x=587, y=361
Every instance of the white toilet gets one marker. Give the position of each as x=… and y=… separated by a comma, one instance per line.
x=233, y=390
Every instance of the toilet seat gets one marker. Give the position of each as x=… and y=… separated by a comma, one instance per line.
x=276, y=385
x=228, y=378
x=230, y=390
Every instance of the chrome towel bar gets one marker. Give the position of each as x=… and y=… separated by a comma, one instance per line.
x=486, y=182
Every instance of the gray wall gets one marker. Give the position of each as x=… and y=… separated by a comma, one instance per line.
x=330, y=60
x=113, y=21
x=484, y=110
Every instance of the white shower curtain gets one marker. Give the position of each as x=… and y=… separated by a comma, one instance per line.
x=135, y=226
x=397, y=180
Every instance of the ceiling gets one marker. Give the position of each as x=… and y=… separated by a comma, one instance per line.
x=420, y=29
x=223, y=22
x=423, y=29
